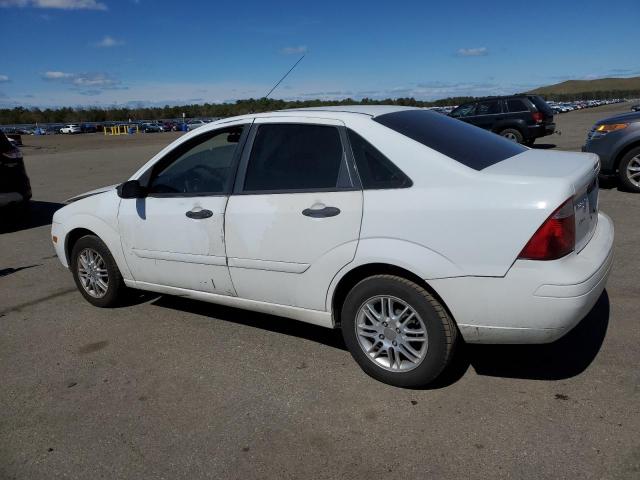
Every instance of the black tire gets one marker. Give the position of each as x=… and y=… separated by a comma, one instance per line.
x=116, y=288
x=441, y=330
x=512, y=134
x=632, y=155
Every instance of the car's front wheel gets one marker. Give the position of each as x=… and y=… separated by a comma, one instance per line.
x=397, y=331
x=629, y=170
x=96, y=273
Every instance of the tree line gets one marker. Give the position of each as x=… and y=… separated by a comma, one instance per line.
x=22, y=115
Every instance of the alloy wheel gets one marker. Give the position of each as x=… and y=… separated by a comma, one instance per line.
x=92, y=272
x=391, y=333
x=633, y=170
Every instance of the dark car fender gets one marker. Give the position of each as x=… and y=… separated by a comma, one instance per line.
x=515, y=123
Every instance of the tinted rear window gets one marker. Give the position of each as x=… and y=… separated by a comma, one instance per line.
x=295, y=157
x=516, y=105
x=472, y=146
x=376, y=171
x=541, y=105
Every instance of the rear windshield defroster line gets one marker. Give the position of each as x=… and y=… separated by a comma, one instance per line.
x=472, y=146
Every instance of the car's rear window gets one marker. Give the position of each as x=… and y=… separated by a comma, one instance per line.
x=5, y=144
x=541, y=105
x=472, y=146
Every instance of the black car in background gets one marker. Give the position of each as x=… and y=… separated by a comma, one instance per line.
x=150, y=128
x=15, y=188
x=520, y=118
x=616, y=140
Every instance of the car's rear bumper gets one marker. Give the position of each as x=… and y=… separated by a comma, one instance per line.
x=537, y=301
x=542, y=130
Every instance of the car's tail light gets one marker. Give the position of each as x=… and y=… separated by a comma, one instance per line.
x=555, y=238
x=537, y=117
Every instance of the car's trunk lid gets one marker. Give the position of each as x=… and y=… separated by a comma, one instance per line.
x=580, y=170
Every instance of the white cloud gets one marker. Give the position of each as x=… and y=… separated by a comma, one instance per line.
x=4, y=78
x=56, y=75
x=299, y=50
x=83, y=80
x=56, y=4
x=473, y=52
x=108, y=41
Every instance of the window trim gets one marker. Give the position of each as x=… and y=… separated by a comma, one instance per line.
x=347, y=159
x=170, y=157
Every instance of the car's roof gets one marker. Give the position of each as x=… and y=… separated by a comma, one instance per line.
x=371, y=110
x=337, y=112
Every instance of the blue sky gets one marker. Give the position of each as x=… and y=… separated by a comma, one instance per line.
x=156, y=52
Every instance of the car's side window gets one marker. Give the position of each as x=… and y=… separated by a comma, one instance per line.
x=464, y=110
x=376, y=171
x=203, y=165
x=489, y=108
x=296, y=157
x=516, y=105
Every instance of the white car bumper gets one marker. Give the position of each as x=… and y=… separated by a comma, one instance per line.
x=58, y=235
x=536, y=301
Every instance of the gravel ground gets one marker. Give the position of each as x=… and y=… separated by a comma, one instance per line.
x=170, y=388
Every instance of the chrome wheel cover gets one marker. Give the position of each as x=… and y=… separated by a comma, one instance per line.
x=633, y=171
x=92, y=272
x=391, y=333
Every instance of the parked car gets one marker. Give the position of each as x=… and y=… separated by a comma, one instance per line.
x=519, y=118
x=87, y=128
x=616, y=140
x=357, y=217
x=71, y=128
x=193, y=124
x=150, y=128
x=636, y=108
x=15, y=187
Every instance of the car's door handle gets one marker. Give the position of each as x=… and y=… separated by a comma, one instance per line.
x=199, y=214
x=321, y=212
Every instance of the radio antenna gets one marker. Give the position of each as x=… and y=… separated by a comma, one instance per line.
x=285, y=76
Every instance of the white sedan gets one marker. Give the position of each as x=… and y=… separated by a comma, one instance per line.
x=71, y=128
x=405, y=228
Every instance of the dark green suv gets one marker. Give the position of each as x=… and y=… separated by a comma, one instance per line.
x=520, y=118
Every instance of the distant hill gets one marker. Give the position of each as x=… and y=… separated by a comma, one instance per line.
x=604, y=85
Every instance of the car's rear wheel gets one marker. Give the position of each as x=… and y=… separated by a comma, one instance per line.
x=96, y=273
x=512, y=134
x=629, y=170
x=397, y=331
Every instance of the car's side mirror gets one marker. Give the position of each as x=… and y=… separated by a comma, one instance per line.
x=132, y=189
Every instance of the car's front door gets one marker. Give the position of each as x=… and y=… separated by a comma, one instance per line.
x=175, y=236
x=294, y=219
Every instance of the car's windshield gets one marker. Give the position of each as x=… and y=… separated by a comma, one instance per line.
x=472, y=146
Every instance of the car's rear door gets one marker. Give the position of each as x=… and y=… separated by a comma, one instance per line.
x=175, y=236
x=488, y=114
x=294, y=219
